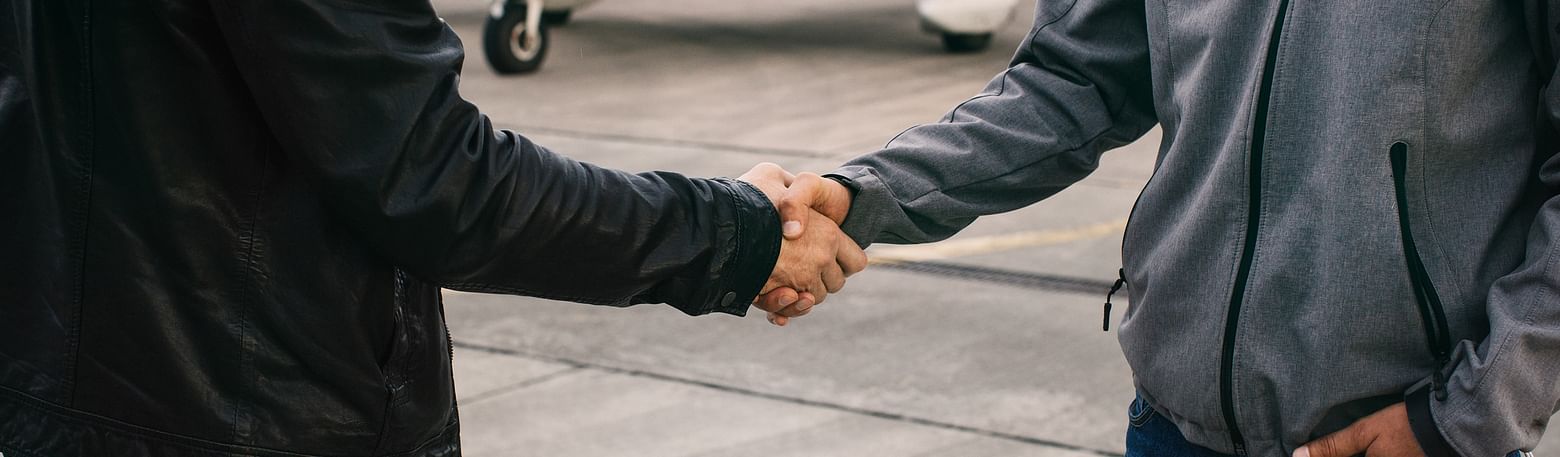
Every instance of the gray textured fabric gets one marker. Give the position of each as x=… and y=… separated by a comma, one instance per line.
x=1330, y=329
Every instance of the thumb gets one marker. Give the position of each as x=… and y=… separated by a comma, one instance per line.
x=776, y=299
x=805, y=192
x=1348, y=442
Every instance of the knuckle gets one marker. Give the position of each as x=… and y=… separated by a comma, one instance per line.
x=1327, y=447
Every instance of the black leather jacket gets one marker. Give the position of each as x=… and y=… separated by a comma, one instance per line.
x=224, y=225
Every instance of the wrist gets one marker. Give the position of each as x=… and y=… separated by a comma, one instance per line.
x=850, y=186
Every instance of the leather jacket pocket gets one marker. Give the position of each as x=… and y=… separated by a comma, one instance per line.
x=396, y=366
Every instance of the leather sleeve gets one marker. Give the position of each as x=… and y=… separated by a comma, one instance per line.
x=363, y=98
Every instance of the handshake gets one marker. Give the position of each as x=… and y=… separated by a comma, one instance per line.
x=815, y=256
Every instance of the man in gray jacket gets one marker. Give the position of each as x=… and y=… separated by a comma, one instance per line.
x=1352, y=234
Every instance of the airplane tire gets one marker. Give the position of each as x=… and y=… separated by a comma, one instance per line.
x=965, y=43
x=507, y=48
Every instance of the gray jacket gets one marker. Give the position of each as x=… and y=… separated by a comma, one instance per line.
x=1354, y=201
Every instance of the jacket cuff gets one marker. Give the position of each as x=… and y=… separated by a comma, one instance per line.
x=755, y=249
x=871, y=203
x=1422, y=421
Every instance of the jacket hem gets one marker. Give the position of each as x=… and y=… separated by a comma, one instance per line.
x=32, y=427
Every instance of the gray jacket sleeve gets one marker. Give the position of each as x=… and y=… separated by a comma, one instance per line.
x=1078, y=86
x=1503, y=390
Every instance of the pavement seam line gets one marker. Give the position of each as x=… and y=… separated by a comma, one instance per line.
x=1021, y=279
x=522, y=385
x=581, y=365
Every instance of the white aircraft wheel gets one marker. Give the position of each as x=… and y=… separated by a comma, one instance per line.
x=509, y=49
x=966, y=42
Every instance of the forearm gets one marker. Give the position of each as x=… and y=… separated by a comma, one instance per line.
x=1502, y=390
x=363, y=99
x=572, y=231
x=1070, y=94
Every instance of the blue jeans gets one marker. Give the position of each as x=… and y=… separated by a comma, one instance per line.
x=1149, y=435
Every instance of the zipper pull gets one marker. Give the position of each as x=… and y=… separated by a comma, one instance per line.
x=1121, y=280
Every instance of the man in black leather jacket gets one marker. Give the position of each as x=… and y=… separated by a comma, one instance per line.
x=226, y=225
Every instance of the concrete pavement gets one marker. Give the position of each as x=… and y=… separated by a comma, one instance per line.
x=902, y=363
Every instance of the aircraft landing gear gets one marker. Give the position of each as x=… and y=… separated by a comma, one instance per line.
x=515, y=36
x=966, y=26
x=557, y=18
x=960, y=43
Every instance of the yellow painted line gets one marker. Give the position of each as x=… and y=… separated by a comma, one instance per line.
x=990, y=244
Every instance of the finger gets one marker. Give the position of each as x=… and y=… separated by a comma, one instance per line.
x=833, y=277
x=797, y=204
x=798, y=309
x=781, y=297
x=785, y=177
x=817, y=290
x=849, y=255
x=1343, y=443
x=769, y=179
x=777, y=299
x=768, y=301
x=771, y=171
x=778, y=320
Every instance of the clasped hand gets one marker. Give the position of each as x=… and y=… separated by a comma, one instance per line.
x=815, y=256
